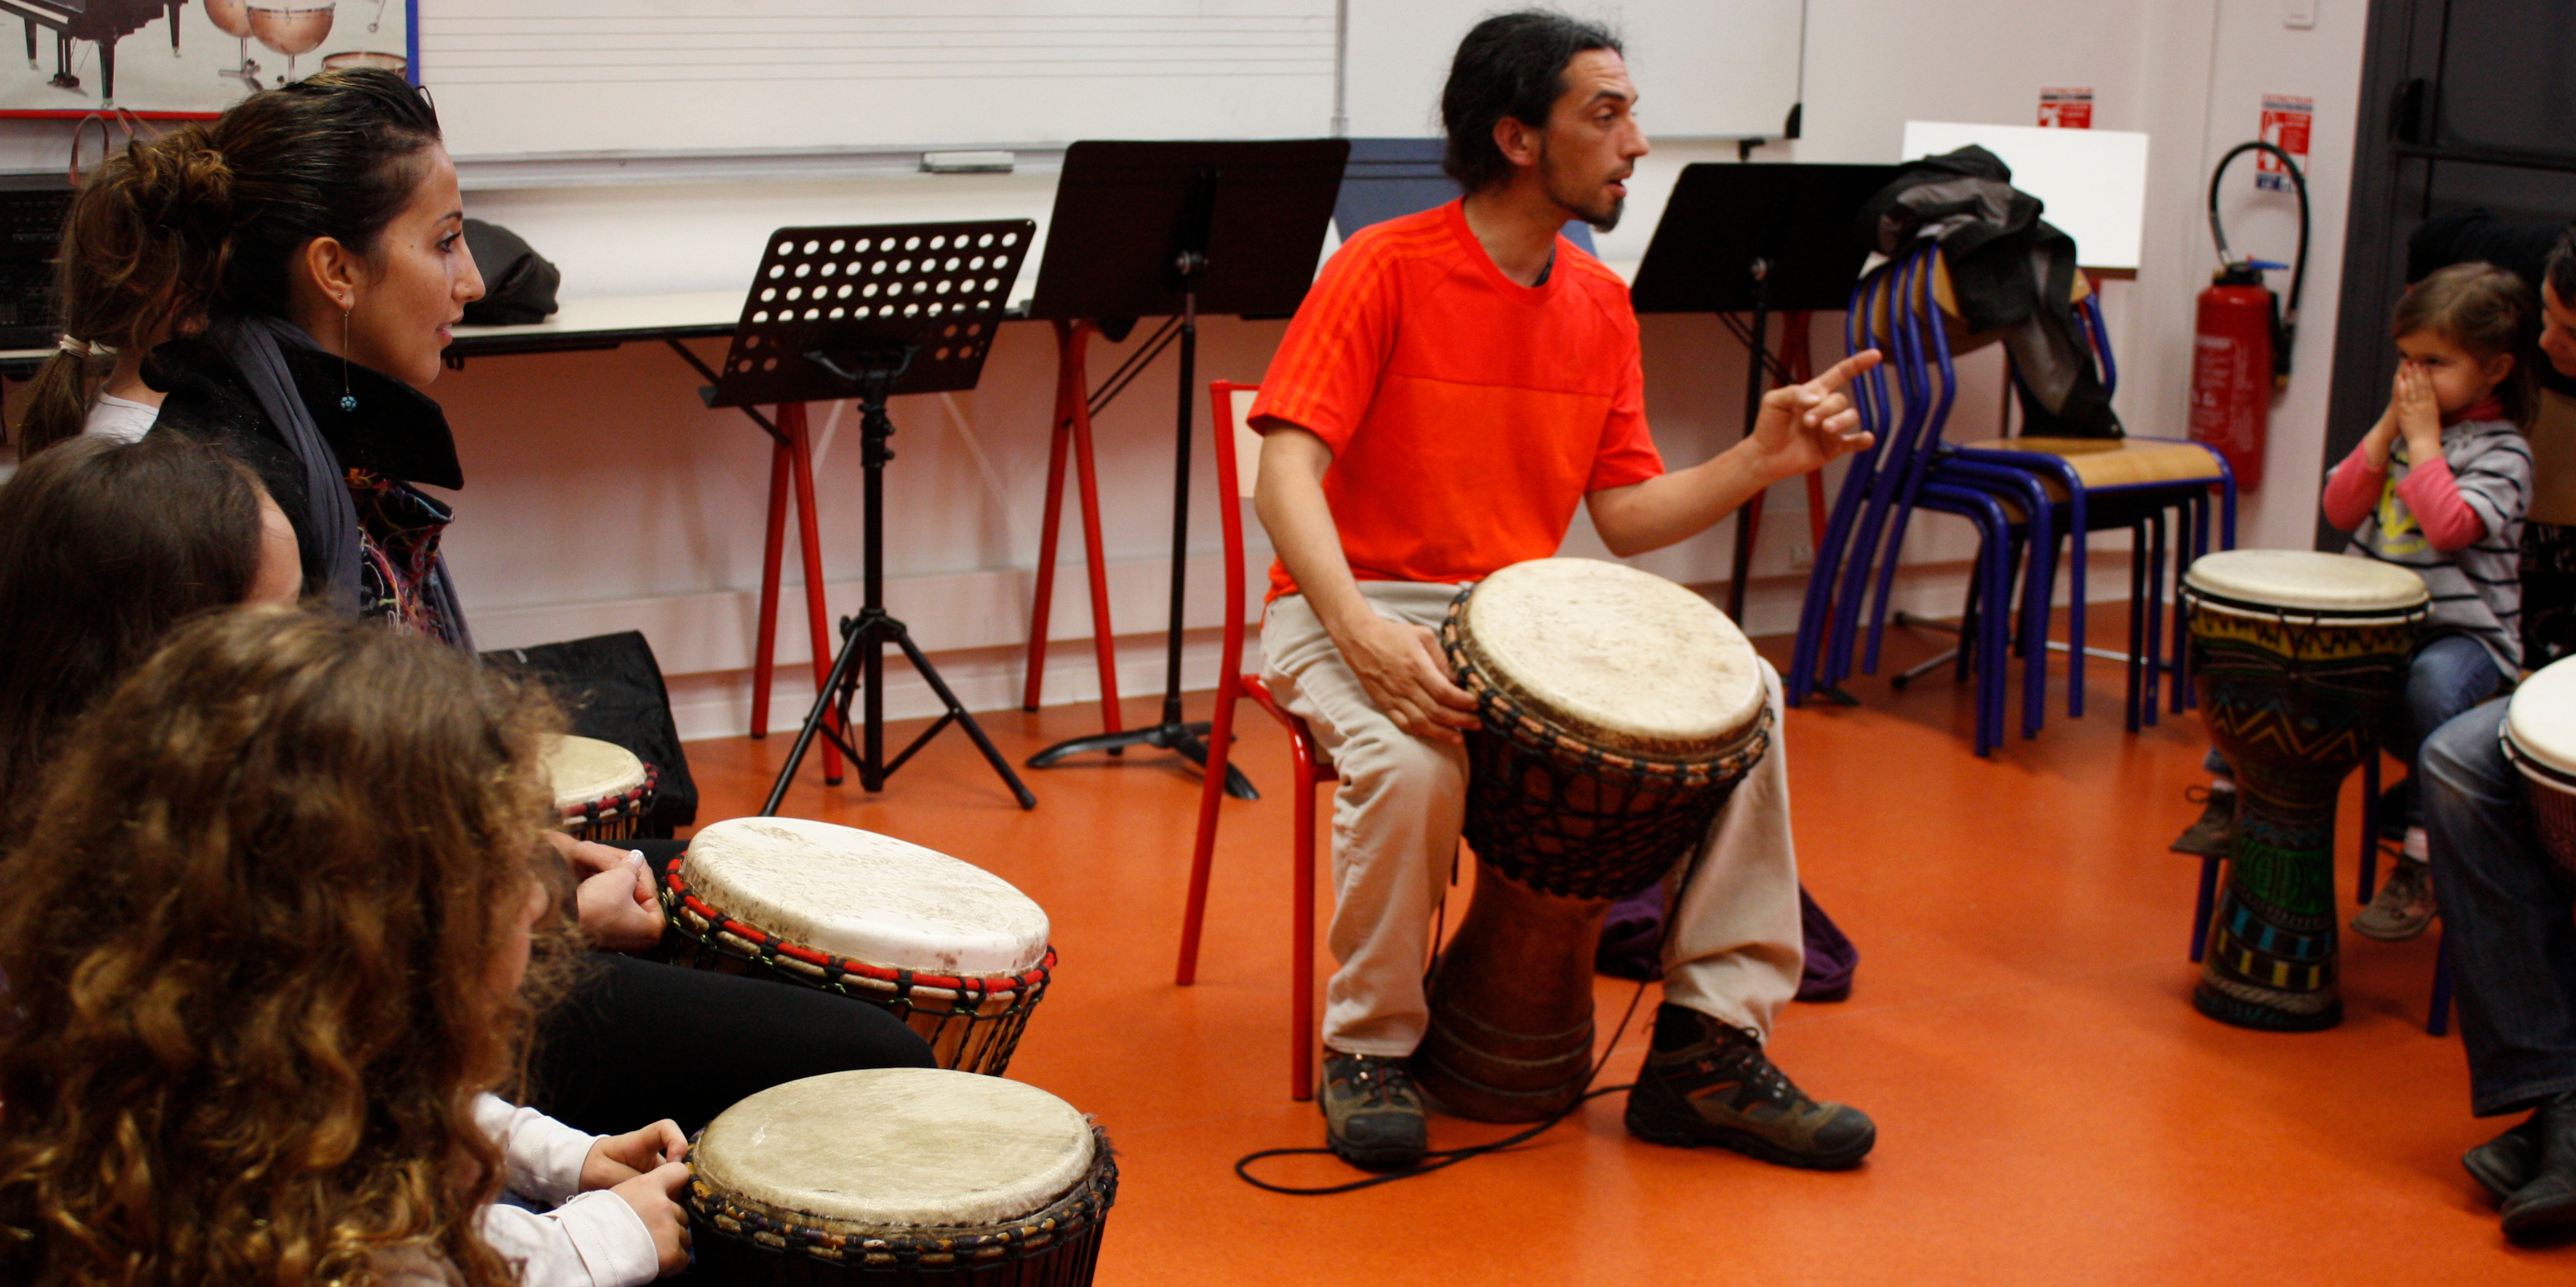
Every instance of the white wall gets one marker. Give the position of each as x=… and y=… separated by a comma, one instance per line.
x=602, y=496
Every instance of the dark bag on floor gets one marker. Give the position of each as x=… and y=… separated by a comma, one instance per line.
x=518, y=283
x=612, y=689
x=1632, y=944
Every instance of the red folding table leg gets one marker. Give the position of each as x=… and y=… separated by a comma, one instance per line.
x=1104, y=643
x=818, y=616
x=764, y=653
x=1068, y=388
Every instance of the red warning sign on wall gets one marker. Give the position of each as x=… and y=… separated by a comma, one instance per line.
x=2066, y=108
x=2285, y=124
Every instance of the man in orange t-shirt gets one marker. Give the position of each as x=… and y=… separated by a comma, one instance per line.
x=1456, y=382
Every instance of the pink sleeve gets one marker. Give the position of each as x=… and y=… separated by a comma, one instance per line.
x=2351, y=490
x=2448, y=522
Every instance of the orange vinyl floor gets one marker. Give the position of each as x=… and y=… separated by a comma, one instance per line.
x=2050, y=1108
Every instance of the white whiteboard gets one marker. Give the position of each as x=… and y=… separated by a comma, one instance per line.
x=551, y=77
x=2093, y=183
x=1704, y=68
x=555, y=76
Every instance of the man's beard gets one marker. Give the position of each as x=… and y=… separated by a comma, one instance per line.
x=1603, y=215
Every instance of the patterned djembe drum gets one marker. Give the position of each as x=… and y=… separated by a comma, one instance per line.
x=1619, y=712
x=2539, y=736
x=2299, y=660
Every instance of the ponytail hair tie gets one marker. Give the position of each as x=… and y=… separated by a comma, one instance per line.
x=73, y=345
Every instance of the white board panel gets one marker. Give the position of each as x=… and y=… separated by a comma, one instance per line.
x=1704, y=68
x=2094, y=182
x=518, y=77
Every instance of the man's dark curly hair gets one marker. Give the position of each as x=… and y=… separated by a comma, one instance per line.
x=1511, y=64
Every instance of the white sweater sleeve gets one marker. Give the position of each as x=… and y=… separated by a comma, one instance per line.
x=589, y=1240
x=541, y=1157
x=595, y=1240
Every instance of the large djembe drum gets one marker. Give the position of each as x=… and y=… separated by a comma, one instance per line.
x=1619, y=712
x=2299, y=660
x=2540, y=738
x=956, y=952
x=900, y=1176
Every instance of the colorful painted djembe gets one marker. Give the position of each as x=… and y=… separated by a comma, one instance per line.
x=900, y=1177
x=1619, y=712
x=2299, y=660
x=2540, y=738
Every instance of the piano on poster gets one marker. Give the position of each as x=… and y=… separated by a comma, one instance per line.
x=102, y=22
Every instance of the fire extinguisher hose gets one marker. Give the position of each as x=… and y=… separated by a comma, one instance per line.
x=2299, y=264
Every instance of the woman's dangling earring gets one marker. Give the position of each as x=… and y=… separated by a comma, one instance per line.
x=348, y=400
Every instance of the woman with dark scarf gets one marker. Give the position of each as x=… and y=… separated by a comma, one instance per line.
x=306, y=250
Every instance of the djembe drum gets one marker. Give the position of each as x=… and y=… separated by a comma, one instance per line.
x=953, y=950
x=900, y=1175
x=2539, y=736
x=602, y=789
x=2299, y=660
x=1619, y=712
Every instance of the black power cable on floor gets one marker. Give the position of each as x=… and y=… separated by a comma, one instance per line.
x=1442, y=1158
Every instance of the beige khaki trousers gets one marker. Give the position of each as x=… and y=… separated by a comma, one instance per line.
x=1732, y=947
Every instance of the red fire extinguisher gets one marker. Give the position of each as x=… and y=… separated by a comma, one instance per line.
x=2242, y=336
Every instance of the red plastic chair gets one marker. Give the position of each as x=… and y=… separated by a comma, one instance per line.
x=1310, y=767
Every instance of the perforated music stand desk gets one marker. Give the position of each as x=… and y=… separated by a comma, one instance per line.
x=868, y=312
x=1176, y=230
x=1747, y=238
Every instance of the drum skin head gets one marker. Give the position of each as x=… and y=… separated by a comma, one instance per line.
x=865, y=897
x=898, y=1147
x=2541, y=723
x=2306, y=579
x=585, y=769
x=1615, y=651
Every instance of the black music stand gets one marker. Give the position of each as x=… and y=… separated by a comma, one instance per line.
x=869, y=312
x=1747, y=238
x=1178, y=229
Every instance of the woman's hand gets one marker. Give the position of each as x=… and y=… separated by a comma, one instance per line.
x=653, y=1195
x=615, y=1159
x=615, y=902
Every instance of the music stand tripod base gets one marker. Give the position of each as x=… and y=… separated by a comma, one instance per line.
x=866, y=313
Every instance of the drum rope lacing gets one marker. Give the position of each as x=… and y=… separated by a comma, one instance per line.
x=1442, y=1159
x=611, y=807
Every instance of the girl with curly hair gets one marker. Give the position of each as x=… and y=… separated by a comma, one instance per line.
x=268, y=948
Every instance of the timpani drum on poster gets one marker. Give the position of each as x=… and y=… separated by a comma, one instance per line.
x=953, y=950
x=2540, y=738
x=2299, y=660
x=602, y=789
x=900, y=1175
x=1619, y=712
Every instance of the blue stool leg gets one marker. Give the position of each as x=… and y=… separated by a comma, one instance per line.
x=2438, y=1023
x=2364, y=884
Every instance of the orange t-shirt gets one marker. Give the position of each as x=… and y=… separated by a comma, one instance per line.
x=1468, y=414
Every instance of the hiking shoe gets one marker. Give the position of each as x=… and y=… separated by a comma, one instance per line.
x=2544, y=1208
x=2404, y=905
x=1707, y=1083
x=2208, y=837
x=1372, y=1113
x=2505, y=1163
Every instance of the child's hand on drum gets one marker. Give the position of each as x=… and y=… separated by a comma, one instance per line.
x=1404, y=674
x=651, y=1195
x=615, y=1159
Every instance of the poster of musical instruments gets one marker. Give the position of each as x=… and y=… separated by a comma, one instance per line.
x=187, y=57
